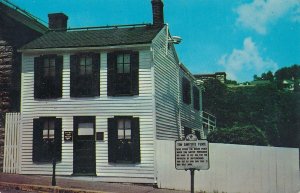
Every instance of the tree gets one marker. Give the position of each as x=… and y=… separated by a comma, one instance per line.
x=274, y=111
x=214, y=99
x=269, y=76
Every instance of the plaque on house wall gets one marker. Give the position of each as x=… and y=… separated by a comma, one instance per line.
x=100, y=136
x=68, y=135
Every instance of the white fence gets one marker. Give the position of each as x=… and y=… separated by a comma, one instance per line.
x=234, y=169
x=11, y=141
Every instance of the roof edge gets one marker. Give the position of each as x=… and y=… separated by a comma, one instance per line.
x=23, y=16
x=69, y=49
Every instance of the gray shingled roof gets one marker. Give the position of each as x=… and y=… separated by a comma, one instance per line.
x=22, y=16
x=94, y=38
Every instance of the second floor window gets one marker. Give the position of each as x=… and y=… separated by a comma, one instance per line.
x=48, y=77
x=123, y=73
x=85, y=75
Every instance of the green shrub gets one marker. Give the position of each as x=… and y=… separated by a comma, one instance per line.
x=246, y=135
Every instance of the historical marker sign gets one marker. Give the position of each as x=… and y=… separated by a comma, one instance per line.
x=191, y=155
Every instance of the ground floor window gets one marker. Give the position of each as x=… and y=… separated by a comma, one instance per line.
x=123, y=140
x=46, y=139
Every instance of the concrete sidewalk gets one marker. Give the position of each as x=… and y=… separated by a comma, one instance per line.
x=36, y=183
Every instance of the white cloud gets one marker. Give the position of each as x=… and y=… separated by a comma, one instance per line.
x=242, y=64
x=259, y=14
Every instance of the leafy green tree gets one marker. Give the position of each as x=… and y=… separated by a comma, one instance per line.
x=231, y=82
x=275, y=112
x=255, y=77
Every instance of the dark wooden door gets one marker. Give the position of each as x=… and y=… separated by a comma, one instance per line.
x=84, y=160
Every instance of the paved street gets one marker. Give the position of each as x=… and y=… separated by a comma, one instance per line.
x=71, y=183
x=14, y=191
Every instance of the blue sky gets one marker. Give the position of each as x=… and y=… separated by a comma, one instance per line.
x=240, y=37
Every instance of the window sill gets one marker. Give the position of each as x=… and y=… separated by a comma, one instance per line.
x=84, y=97
x=123, y=95
x=123, y=163
x=43, y=99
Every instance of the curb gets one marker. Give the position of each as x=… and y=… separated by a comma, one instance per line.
x=42, y=188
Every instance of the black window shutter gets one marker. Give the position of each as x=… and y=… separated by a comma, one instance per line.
x=96, y=75
x=57, y=137
x=111, y=77
x=186, y=91
x=58, y=76
x=135, y=135
x=73, y=71
x=112, y=140
x=134, y=58
x=37, y=77
x=196, y=96
x=37, y=142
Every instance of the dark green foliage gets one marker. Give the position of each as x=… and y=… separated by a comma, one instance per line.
x=276, y=112
x=233, y=82
x=288, y=73
x=248, y=135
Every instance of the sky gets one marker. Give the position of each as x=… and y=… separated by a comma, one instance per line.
x=239, y=37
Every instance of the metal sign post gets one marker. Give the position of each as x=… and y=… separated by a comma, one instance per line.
x=192, y=179
x=191, y=154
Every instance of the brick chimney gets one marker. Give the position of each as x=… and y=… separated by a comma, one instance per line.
x=58, y=21
x=158, y=13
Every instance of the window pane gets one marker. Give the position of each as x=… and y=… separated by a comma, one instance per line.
x=127, y=58
x=52, y=67
x=120, y=68
x=51, y=124
x=82, y=66
x=46, y=62
x=127, y=124
x=45, y=133
x=51, y=134
x=120, y=58
x=128, y=134
x=126, y=68
x=89, y=64
x=120, y=133
x=85, y=129
x=120, y=124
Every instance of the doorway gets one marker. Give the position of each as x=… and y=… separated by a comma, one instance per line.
x=84, y=159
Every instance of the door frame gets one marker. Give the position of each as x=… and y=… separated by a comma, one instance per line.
x=76, y=121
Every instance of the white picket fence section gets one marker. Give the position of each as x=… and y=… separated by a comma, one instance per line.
x=233, y=169
x=11, y=143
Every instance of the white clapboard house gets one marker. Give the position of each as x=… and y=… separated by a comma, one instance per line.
x=106, y=95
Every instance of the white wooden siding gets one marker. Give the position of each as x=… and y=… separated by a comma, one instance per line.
x=190, y=117
x=171, y=113
x=166, y=88
x=103, y=107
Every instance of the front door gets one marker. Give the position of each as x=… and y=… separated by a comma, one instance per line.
x=84, y=161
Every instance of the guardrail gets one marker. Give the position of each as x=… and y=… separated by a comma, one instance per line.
x=209, y=122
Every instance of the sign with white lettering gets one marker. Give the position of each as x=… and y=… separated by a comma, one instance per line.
x=191, y=155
